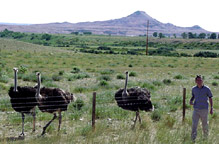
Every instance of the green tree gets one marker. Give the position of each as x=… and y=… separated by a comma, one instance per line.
x=213, y=36
x=155, y=34
x=202, y=35
x=87, y=33
x=46, y=37
x=190, y=35
x=174, y=35
x=184, y=35
x=161, y=35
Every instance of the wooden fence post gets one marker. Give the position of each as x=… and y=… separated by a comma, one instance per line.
x=184, y=104
x=94, y=110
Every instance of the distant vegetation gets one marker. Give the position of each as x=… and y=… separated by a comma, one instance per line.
x=85, y=42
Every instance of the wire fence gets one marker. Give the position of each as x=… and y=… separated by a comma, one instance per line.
x=100, y=107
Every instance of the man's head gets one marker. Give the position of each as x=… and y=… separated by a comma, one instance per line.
x=199, y=80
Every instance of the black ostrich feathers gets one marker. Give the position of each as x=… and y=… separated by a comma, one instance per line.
x=23, y=100
x=53, y=99
x=138, y=99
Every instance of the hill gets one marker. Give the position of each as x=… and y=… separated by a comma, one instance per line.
x=131, y=25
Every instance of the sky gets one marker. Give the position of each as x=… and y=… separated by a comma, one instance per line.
x=185, y=13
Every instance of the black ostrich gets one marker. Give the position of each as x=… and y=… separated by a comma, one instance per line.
x=134, y=99
x=52, y=100
x=23, y=100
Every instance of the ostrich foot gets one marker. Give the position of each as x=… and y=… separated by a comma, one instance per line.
x=22, y=134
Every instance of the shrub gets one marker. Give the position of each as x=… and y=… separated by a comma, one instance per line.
x=103, y=48
x=105, y=77
x=156, y=115
x=49, y=84
x=167, y=81
x=206, y=54
x=103, y=83
x=81, y=76
x=80, y=89
x=216, y=77
x=56, y=77
x=130, y=65
x=148, y=85
x=61, y=72
x=120, y=76
x=132, y=74
x=22, y=69
x=178, y=77
x=214, y=83
x=4, y=79
x=78, y=104
x=169, y=121
x=107, y=72
x=75, y=70
x=30, y=77
x=157, y=83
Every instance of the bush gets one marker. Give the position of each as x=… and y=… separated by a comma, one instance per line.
x=81, y=76
x=105, y=77
x=80, y=89
x=78, y=104
x=178, y=77
x=49, y=84
x=156, y=115
x=103, y=48
x=132, y=74
x=22, y=69
x=61, y=72
x=103, y=83
x=167, y=81
x=107, y=72
x=157, y=83
x=130, y=65
x=75, y=70
x=120, y=76
x=216, y=77
x=56, y=77
x=30, y=77
x=148, y=85
x=206, y=54
x=4, y=79
x=214, y=83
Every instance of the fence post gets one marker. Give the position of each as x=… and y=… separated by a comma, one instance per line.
x=184, y=104
x=94, y=110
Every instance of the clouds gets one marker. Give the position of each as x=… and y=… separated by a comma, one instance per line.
x=178, y=12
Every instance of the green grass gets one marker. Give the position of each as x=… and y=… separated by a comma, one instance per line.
x=82, y=73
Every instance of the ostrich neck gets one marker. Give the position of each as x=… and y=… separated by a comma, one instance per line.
x=126, y=82
x=38, y=86
x=15, y=81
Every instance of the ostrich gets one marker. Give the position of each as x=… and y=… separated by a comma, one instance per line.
x=52, y=100
x=23, y=100
x=134, y=99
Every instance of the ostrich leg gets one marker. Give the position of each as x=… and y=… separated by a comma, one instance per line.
x=34, y=118
x=136, y=117
x=23, y=117
x=139, y=118
x=60, y=119
x=44, y=128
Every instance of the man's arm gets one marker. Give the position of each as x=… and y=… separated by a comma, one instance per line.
x=192, y=98
x=211, y=104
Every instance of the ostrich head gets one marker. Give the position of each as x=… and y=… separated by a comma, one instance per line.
x=15, y=79
x=70, y=97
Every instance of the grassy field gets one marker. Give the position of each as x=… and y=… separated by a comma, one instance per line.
x=82, y=74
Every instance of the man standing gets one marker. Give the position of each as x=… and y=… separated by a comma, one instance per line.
x=200, y=94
